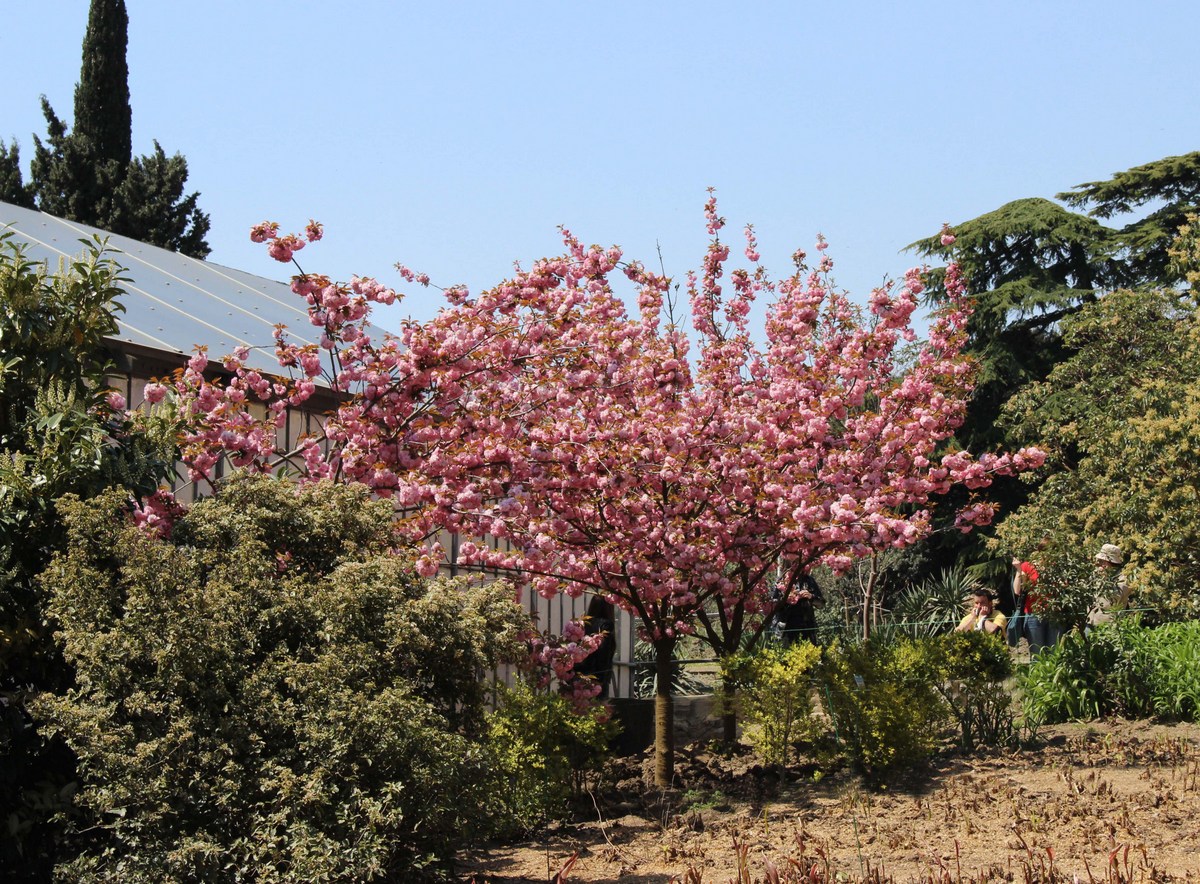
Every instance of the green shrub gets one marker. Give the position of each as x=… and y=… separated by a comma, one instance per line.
x=541, y=749
x=1067, y=588
x=269, y=695
x=1063, y=683
x=773, y=689
x=1120, y=667
x=1174, y=678
x=59, y=434
x=882, y=718
x=967, y=671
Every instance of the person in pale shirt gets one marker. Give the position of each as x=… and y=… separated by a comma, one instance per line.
x=983, y=616
x=1116, y=594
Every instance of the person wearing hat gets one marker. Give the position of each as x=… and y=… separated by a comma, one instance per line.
x=1116, y=593
x=983, y=616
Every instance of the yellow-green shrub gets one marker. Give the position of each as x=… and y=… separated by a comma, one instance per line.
x=881, y=719
x=773, y=698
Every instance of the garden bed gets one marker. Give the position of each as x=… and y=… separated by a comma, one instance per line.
x=1087, y=799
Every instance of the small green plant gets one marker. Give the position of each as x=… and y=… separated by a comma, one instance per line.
x=542, y=750
x=703, y=799
x=1120, y=667
x=773, y=697
x=880, y=719
x=1065, y=683
x=1175, y=677
x=967, y=671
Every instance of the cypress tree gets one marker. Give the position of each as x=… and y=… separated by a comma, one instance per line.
x=90, y=174
x=13, y=189
x=102, y=112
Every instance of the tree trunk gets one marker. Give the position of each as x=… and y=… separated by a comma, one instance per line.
x=868, y=592
x=869, y=598
x=664, y=717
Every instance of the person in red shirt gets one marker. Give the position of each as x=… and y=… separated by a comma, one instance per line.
x=1025, y=623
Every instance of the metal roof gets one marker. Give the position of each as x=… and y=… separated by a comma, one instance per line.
x=173, y=302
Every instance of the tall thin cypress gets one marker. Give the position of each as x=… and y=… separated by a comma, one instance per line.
x=89, y=174
x=102, y=111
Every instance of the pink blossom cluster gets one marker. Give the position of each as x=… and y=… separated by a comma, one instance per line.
x=157, y=513
x=554, y=657
x=282, y=248
x=592, y=448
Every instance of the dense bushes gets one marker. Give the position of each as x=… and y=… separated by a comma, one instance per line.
x=62, y=430
x=1118, y=668
x=270, y=694
x=884, y=704
x=881, y=717
x=541, y=748
x=968, y=672
x=773, y=691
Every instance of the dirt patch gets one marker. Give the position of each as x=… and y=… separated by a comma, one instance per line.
x=1110, y=801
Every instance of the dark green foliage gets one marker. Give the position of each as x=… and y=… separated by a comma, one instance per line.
x=151, y=205
x=88, y=174
x=1172, y=184
x=57, y=436
x=13, y=188
x=102, y=113
x=271, y=694
x=1031, y=264
x=1118, y=668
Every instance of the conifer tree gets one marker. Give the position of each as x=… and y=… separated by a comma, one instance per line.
x=102, y=112
x=13, y=188
x=89, y=174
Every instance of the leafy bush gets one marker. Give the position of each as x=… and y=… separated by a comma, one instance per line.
x=60, y=432
x=1174, y=677
x=1062, y=684
x=968, y=671
x=541, y=748
x=1067, y=587
x=270, y=694
x=773, y=690
x=882, y=718
x=1120, y=667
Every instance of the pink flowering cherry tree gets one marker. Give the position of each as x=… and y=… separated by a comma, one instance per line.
x=607, y=456
x=675, y=485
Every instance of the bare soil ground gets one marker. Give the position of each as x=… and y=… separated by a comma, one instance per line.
x=1108, y=801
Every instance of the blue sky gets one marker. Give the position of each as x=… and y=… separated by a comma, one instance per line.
x=455, y=137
